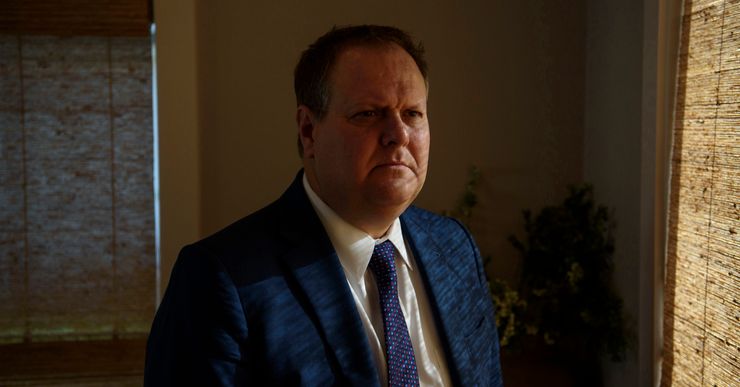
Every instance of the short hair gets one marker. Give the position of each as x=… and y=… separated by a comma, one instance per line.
x=311, y=75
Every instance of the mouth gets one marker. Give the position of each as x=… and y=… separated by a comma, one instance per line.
x=393, y=165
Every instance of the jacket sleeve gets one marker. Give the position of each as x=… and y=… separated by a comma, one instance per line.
x=199, y=335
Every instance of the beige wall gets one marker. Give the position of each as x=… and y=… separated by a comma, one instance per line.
x=177, y=117
x=537, y=94
x=506, y=95
x=612, y=146
x=630, y=78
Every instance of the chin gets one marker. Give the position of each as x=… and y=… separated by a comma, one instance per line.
x=399, y=196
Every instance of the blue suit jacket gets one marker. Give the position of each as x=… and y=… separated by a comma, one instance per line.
x=265, y=302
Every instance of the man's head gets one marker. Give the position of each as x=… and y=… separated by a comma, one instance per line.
x=311, y=75
x=362, y=122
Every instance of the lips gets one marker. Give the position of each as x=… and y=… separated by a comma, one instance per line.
x=393, y=165
x=398, y=162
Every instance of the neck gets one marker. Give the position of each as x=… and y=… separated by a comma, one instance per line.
x=376, y=231
x=375, y=222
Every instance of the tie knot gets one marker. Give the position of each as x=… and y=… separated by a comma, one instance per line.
x=383, y=263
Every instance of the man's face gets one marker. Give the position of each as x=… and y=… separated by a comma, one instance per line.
x=367, y=156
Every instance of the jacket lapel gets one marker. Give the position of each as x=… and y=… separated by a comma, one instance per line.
x=323, y=290
x=447, y=294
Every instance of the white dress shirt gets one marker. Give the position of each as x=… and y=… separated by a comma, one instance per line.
x=355, y=248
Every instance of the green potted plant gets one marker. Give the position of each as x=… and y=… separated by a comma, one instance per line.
x=565, y=307
x=566, y=281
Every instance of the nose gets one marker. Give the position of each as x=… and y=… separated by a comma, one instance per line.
x=395, y=131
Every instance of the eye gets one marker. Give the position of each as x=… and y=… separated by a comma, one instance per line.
x=366, y=114
x=366, y=117
x=414, y=114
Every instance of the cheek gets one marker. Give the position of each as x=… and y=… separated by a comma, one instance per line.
x=350, y=155
x=330, y=146
x=420, y=147
x=360, y=149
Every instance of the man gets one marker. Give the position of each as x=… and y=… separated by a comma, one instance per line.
x=340, y=281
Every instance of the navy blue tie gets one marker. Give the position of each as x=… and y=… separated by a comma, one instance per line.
x=399, y=353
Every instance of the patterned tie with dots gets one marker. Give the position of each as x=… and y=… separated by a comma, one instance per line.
x=399, y=354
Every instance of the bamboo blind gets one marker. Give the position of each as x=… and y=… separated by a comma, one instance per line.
x=76, y=17
x=77, y=258
x=702, y=293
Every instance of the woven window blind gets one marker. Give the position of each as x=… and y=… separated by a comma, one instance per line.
x=75, y=17
x=702, y=293
x=77, y=259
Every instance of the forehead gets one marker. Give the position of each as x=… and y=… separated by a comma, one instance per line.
x=372, y=69
x=350, y=53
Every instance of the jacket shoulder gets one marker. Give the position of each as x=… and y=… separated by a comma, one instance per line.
x=247, y=248
x=436, y=224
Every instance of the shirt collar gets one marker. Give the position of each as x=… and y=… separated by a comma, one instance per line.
x=353, y=246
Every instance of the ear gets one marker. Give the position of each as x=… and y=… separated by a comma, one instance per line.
x=305, y=119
